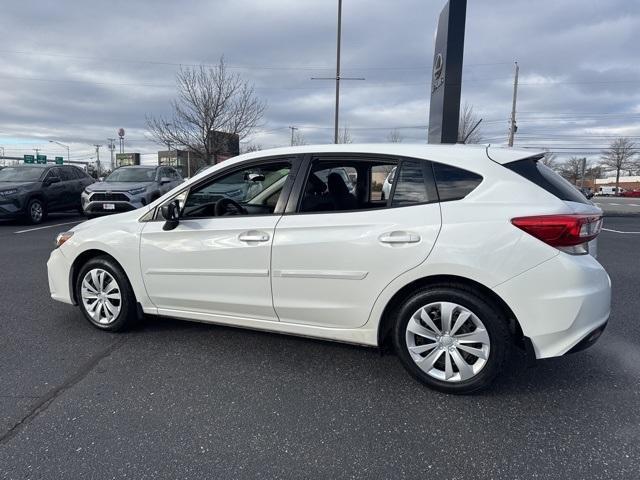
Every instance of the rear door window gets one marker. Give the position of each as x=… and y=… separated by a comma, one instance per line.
x=454, y=183
x=412, y=184
x=537, y=172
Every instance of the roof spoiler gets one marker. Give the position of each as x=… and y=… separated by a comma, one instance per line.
x=504, y=155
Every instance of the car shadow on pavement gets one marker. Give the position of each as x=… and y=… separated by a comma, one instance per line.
x=576, y=372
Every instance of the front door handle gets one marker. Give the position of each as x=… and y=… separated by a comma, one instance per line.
x=399, y=237
x=253, y=236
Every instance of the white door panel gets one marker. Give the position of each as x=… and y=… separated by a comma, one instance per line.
x=215, y=265
x=328, y=268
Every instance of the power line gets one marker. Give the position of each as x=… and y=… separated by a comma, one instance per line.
x=234, y=66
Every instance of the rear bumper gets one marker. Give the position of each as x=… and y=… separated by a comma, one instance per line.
x=58, y=269
x=562, y=305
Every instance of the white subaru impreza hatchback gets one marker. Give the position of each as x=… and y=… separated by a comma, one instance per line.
x=475, y=249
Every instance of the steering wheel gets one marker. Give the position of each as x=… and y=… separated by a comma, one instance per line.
x=222, y=208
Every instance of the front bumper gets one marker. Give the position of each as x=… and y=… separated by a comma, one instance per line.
x=94, y=203
x=562, y=305
x=58, y=272
x=11, y=207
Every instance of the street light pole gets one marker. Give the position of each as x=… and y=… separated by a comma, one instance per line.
x=65, y=146
x=337, y=78
x=335, y=127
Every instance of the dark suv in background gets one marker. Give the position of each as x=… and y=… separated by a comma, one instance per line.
x=128, y=188
x=33, y=191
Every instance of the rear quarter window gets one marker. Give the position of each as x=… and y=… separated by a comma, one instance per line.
x=454, y=183
x=537, y=172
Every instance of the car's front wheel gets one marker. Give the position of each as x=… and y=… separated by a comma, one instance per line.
x=36, y=211
x=105, y=295
x=451, y=339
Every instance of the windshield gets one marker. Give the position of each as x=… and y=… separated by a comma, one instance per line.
x=270, y=178
x=132, y=175
x=20, y=174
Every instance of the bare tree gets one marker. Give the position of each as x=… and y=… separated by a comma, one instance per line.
x=344, y=136
x=468, y=120
x=298, y=138
x=210, y=99
x=550, y=159
x=572, y=169
x=621, y=155
x=395, y=136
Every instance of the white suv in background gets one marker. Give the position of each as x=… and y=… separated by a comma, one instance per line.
x=474, y=250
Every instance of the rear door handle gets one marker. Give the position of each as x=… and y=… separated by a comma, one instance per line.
x=399, y=237
x=253, y=236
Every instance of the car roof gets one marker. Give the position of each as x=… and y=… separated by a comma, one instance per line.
x=428, y=151
x=142, y=166
x=30, y=166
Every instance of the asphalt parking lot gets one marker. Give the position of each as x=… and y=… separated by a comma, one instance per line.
x=184, y=400
x=618, y=206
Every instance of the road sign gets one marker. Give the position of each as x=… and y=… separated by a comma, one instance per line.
x=59, y=160
x=29, y=159
x=41, y=159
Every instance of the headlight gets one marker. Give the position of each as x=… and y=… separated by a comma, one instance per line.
x=87, y=191
x=6, y=193
x=63, y=237
x=137, y=191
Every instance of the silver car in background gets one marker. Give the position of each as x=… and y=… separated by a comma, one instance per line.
x=128, y=188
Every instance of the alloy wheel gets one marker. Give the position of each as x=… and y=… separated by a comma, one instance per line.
x=36, y=212
x=447, y=341
x=101, y=296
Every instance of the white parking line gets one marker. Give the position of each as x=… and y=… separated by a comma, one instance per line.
x=47, y=226
x=619, y=231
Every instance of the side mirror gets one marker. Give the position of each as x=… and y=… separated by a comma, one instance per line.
x=254, y=177
x=52, y=180
x=164, y=180
x=171, y=213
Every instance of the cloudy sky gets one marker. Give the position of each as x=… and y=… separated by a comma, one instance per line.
x=76, y=70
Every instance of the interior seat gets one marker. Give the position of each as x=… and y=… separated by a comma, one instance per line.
x=339, y=193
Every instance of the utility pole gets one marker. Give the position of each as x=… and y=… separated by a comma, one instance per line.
x=293, y=129
x=98, y=158
x=37, y=150
x=112, y=148
x=337, y=78
x=583, y=165
x=513, y=128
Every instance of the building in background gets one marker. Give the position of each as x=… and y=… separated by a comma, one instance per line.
x=625, y=183
x=223, y=145
x=125, y=159
x=185, y=161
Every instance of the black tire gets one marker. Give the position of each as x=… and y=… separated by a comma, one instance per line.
x=33, y=206
x=128, y=315
x=490, y=315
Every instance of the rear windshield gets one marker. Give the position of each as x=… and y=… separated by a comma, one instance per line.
x=538, y=173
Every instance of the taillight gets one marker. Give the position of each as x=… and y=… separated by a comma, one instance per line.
x=569, y=233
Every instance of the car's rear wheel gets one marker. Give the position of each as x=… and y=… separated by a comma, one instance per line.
x=36, y=212
x=451, y=339
x=105, y=295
